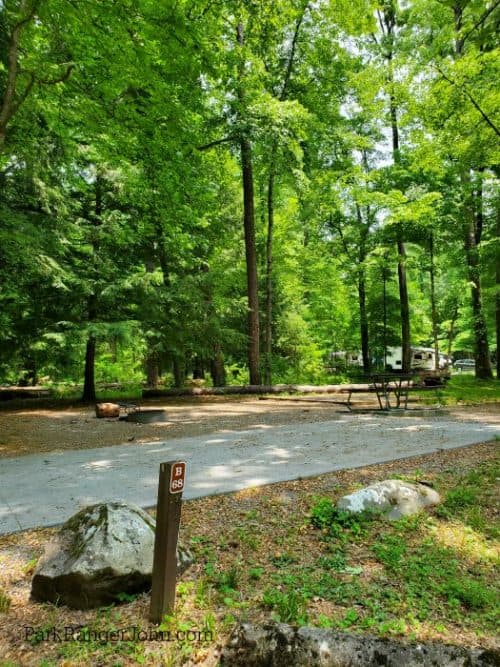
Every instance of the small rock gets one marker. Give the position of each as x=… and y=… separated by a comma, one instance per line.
x=286, y=497
x=392, y=497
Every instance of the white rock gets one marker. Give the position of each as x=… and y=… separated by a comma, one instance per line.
x=392, y=497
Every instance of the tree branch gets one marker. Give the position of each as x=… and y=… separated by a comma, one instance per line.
x=381, y=23
x=24, y=95
x=60, y=79
x=481, y=20
x=217, y=142
x=472, y=100
x=7, y=109
x=338, y=227
x=291, y=54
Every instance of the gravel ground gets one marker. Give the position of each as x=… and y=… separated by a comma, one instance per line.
x=37, y=430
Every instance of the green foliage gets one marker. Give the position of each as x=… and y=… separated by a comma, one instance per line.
x=472, y=594
x=390, y=551
x=463, y=502
x=335, y=522
x=120, y=179
x=288, y=607
x=467, y=389
x=4, y=602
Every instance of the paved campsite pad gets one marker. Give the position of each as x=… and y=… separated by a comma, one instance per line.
x=46, y=489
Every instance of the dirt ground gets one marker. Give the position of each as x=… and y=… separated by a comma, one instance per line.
x=32, y=430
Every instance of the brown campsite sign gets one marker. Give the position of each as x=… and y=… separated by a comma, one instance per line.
x=168, y=517
x=177, y=474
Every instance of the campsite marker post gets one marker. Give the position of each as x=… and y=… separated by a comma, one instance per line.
x=168, y=517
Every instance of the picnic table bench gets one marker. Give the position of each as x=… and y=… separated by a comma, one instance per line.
x=384, y=385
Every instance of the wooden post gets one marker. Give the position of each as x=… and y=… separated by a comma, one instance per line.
x=168, y=517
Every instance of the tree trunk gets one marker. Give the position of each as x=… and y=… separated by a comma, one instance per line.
x=198, y=368
x=390, y=24
x=433, y=304
x=250, y=249
x=89, y=380
x=179, y=370
x=268, y=333
x=474, y=226
x=363, y=317
x=451, y=330
x=384, y=296
x=217, y=370
x=402, y=279
x=251, y=263
x=473, y=212
x=404, y=309
x=152, y=370
x=89, y=393
x=365, y=349
x=497, y=298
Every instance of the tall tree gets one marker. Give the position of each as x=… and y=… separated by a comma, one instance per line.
x=283, y=88
x=388, y=23
x=249, y=224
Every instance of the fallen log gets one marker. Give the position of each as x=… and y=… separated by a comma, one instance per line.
x=11, y=393
x=247, y=389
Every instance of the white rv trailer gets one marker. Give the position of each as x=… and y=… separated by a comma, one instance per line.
x=422, y=358
x=347, y=358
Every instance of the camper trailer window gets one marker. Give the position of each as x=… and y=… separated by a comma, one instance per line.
x=417, y=356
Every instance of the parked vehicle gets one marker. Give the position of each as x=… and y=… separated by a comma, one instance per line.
x=464, y=365
x=344, y=359
x=422, y=358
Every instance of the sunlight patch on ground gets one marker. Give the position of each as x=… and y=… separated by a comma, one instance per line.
x=414, y=427
x=465, y=540
x=98, y=464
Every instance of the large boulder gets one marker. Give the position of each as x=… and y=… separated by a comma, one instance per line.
x=392, y=498
x=281, y=645
x=100, y=553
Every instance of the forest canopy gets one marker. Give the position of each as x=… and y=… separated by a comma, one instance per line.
x=237, y=189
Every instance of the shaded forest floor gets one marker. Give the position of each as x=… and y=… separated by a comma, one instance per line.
x=31, y=430
x=259, y=556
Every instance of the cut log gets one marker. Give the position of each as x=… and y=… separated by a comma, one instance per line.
x=107, y=410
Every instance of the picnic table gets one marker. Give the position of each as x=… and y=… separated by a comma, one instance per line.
x=390, y=383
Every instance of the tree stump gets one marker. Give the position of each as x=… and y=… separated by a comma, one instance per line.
x=107, y=410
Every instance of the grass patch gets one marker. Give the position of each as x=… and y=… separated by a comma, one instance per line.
x=4, y=602
x=130, y=391
x=467, y=389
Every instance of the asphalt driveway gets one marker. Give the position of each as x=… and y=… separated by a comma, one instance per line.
x=46, y=489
